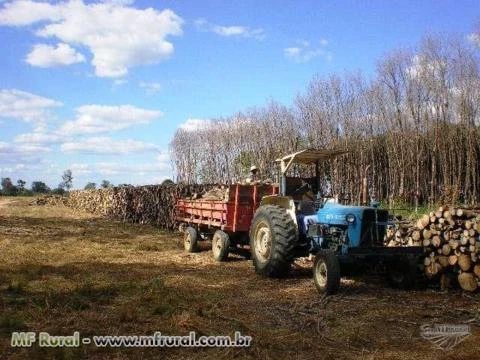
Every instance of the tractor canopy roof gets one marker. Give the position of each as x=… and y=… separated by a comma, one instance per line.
x=308, y=156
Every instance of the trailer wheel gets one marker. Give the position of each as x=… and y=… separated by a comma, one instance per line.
x=326, y=272
x=220, y=245
x=402, y=274
x=273, y=237
x=190, y=240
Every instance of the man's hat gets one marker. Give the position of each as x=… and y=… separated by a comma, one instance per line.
x=253, y=168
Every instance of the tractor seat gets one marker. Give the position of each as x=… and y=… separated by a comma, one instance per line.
x=306, y=207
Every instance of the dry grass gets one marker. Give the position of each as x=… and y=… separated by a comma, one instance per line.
x=62, y=271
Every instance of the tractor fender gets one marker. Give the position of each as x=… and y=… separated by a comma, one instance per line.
x=285, y=202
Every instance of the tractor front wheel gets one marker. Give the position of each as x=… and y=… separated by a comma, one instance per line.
x=220, y=245
x=273, y=237
x=326, y=272
x=190, y=237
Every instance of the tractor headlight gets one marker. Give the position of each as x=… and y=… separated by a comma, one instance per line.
x=350, y=218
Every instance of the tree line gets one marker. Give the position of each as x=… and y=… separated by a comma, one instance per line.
x=412, y=129
x=10, y=188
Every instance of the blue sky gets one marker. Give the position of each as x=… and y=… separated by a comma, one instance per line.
x=101, y=87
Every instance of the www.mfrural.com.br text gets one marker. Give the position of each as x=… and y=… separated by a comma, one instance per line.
x=157, y=339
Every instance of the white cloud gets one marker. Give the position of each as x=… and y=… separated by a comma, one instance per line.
x=195, y=124
x=45, y=56
x=21, y=150
x=11, y=154
x=25, y=106
x=303, y=52
x=107, y=146
x=164, y=157
x=150, y=88
x=114, y=168
x=38, y=138
x=107, y=168
x=117, y=35
x=230, y=31
x=119, y=82
x=80, y=169
x=25, y=12
x=92, y=119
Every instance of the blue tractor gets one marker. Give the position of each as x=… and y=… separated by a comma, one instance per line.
x=298, y=222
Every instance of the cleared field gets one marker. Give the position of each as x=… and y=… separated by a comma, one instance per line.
x=63, y=271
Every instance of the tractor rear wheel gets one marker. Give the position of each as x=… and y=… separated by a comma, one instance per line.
x=220, y=245
x=190, y=237
x=326, y=272
x=273, y=236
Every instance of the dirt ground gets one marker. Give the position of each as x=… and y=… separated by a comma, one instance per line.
x=62, y=271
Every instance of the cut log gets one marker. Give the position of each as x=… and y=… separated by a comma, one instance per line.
x=426, y=234
x=452, y=259
x=436, y=241
x=446, y=249
x=423, y=222
x=453, y=244
x=468, y=281
x=447, y=234
x=427, y=261
x=443, y=261
x=416, y=235
x=433, y=269
x=476, y=270
x=465, y=262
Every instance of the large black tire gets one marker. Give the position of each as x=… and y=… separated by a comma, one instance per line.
x=273, y=236
x=220, y=245
x=190, y=237
x=326, y=272
x=402, y=273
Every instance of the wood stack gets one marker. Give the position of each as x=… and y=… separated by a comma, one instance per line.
x=450, y=237
x=400, y=234
x=152, y=204
x=49, y=200
x=217, y=193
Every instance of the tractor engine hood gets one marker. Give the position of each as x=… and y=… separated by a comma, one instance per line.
x=336, y=214
x=365, y=225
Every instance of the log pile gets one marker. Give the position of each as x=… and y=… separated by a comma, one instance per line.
x=450, y=237
x=152, y=204
x=54, y=200
x=219, y=192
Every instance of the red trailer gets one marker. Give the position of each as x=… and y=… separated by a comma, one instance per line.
x=227, y=222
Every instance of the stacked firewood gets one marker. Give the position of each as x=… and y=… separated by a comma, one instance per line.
x=152, y=204
x=450, y=237
x=49, y=200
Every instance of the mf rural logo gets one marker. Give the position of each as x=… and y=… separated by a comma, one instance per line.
x=445, y=337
